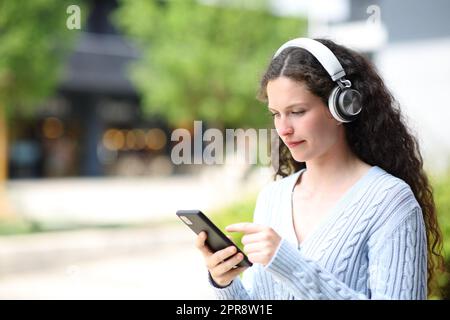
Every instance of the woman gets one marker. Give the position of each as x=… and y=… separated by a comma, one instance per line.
x=353, y=216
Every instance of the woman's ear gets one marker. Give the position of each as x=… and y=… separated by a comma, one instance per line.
x=328, y=113
x=330, y=116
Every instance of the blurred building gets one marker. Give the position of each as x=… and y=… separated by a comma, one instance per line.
x=94, y=124
x=416, y=65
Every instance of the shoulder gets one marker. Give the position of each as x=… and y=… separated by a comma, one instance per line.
x=273, y=196
x=393, y=191
x=394, y=202
x=279, y=187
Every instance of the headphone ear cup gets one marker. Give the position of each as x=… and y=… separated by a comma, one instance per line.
x=349, y=102
x=344, y=105
x=333, y=104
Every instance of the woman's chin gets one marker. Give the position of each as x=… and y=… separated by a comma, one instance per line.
x=298, y=157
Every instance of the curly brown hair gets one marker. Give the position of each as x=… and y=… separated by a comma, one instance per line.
x=380, y=119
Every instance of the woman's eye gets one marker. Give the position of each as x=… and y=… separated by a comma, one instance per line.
x=277, y=115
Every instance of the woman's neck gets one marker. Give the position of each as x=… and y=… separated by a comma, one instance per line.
x=338, y=167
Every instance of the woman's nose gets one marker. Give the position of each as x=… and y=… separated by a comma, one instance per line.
x=284, y=128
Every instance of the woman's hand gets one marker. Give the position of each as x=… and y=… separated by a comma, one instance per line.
x=260, y=242
x=220, y=264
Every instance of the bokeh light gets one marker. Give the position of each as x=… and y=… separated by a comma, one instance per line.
x=156, y=139
x=52, y=128
x=113, y=139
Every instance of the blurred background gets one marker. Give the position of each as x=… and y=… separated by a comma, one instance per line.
x=90, y=92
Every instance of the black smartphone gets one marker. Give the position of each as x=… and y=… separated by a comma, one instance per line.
x=216, y=240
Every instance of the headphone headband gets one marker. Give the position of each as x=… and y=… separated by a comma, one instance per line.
x=325, y=56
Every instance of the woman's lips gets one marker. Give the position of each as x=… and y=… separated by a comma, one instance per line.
x=293, y=144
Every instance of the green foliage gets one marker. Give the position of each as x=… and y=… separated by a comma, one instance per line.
x=203, y=62
x=442, y=198
x=441, y=188
x=13, y=227
x=33, y=38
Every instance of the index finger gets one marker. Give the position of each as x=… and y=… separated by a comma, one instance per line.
x=245, y=227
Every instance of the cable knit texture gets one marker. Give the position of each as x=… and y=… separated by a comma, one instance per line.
x=371, y=245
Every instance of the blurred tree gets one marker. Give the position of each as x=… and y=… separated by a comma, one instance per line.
x=33, y=39
x=204, y=62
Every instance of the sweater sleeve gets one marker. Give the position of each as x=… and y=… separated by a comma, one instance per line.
x=234, y=291
x=397, y=267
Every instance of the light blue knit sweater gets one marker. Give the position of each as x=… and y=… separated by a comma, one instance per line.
x=372, y=245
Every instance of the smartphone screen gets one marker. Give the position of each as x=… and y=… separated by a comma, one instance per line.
x=216, y=240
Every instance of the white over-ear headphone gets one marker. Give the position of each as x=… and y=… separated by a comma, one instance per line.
x=344, y=102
